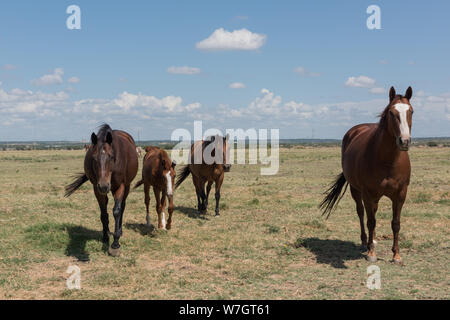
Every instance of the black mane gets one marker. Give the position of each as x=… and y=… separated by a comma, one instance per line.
x=103, y=130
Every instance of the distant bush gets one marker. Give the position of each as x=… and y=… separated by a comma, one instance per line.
x=432, y=144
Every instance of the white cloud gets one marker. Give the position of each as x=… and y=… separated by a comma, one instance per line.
x=183, y=70
x=302, y=71
x=360, y=82
x=242, y=39
x=169, y=104
x=9, y=67
x=378, y=90
x=49, y=79
x=19, y=101
x=237, y=85
x=73, y=80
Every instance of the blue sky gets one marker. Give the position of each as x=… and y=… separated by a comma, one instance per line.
x=305, y=67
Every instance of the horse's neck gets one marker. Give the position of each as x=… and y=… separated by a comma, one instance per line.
x=385, y=147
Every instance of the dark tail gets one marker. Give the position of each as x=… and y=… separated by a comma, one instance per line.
x=71, y=188
x=333, y=195
x=182, y=176
x=138, y=184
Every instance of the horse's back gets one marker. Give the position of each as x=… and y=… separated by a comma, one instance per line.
x=128, y=151
x=207, y=172
x=355, y=149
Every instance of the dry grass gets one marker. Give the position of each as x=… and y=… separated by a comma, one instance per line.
x=269, y=243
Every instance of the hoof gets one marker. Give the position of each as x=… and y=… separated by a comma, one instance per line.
x=398, y=261
x=372, y=259
x=114, y=252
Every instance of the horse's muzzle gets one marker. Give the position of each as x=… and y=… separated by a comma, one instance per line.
x=103, y=188
x=226, y=167
x=403, y=144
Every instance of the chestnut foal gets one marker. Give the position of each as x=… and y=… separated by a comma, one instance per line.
x=158, y=171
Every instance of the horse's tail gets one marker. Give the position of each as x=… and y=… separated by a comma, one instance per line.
x=71, y=188
x=333, y=195
x=138, y=184
x=182, y=176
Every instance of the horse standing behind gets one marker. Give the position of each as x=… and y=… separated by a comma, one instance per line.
x=110, y=164
x=158, y=171
x=375, y=163
x=203, y=173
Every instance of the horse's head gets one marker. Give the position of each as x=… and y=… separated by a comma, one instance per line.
x=398, y=118
x=103, y=160
x=168, y=172
x=226, y=154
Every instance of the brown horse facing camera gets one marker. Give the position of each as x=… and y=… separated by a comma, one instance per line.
x=158, y=171
x=203, y=173
x=375, y=163
x=111, y=163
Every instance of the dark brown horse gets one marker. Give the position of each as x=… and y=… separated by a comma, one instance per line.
x=375, y=163
x=158, y=171
x=207, y=171
x=111, y=163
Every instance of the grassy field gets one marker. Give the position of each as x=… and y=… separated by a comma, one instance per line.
x=269, y=243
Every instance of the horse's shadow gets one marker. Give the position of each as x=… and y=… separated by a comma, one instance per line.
x=332, y=252
x=78, y=237
x=142, y=228
x=192, y=213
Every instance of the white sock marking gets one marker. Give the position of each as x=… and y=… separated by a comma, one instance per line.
x=169, y=183
x=163, y=220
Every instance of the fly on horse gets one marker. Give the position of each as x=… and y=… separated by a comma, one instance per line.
x=211, y=170
x=375, y=163
x=110, y=164
x=158, y=171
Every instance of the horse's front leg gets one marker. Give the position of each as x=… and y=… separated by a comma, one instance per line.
x=119, y=206
x=170, y=209
x=371, y=206
x=103, y=204
x=208, y=190
x=159, y=208
x=218, y=185
x=397, y=204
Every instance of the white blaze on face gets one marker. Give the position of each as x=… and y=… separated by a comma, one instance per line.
x=169, y=184
x=402, y=109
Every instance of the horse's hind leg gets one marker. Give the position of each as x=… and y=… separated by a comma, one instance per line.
x=147, y=202
x=103, y=204
x=356, y=195
x=195, y=180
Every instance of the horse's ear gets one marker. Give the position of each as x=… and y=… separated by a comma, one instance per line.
x=408, y=93
x=93, y=139
x=174, y=164
x=392, y=94
x=108, y=139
